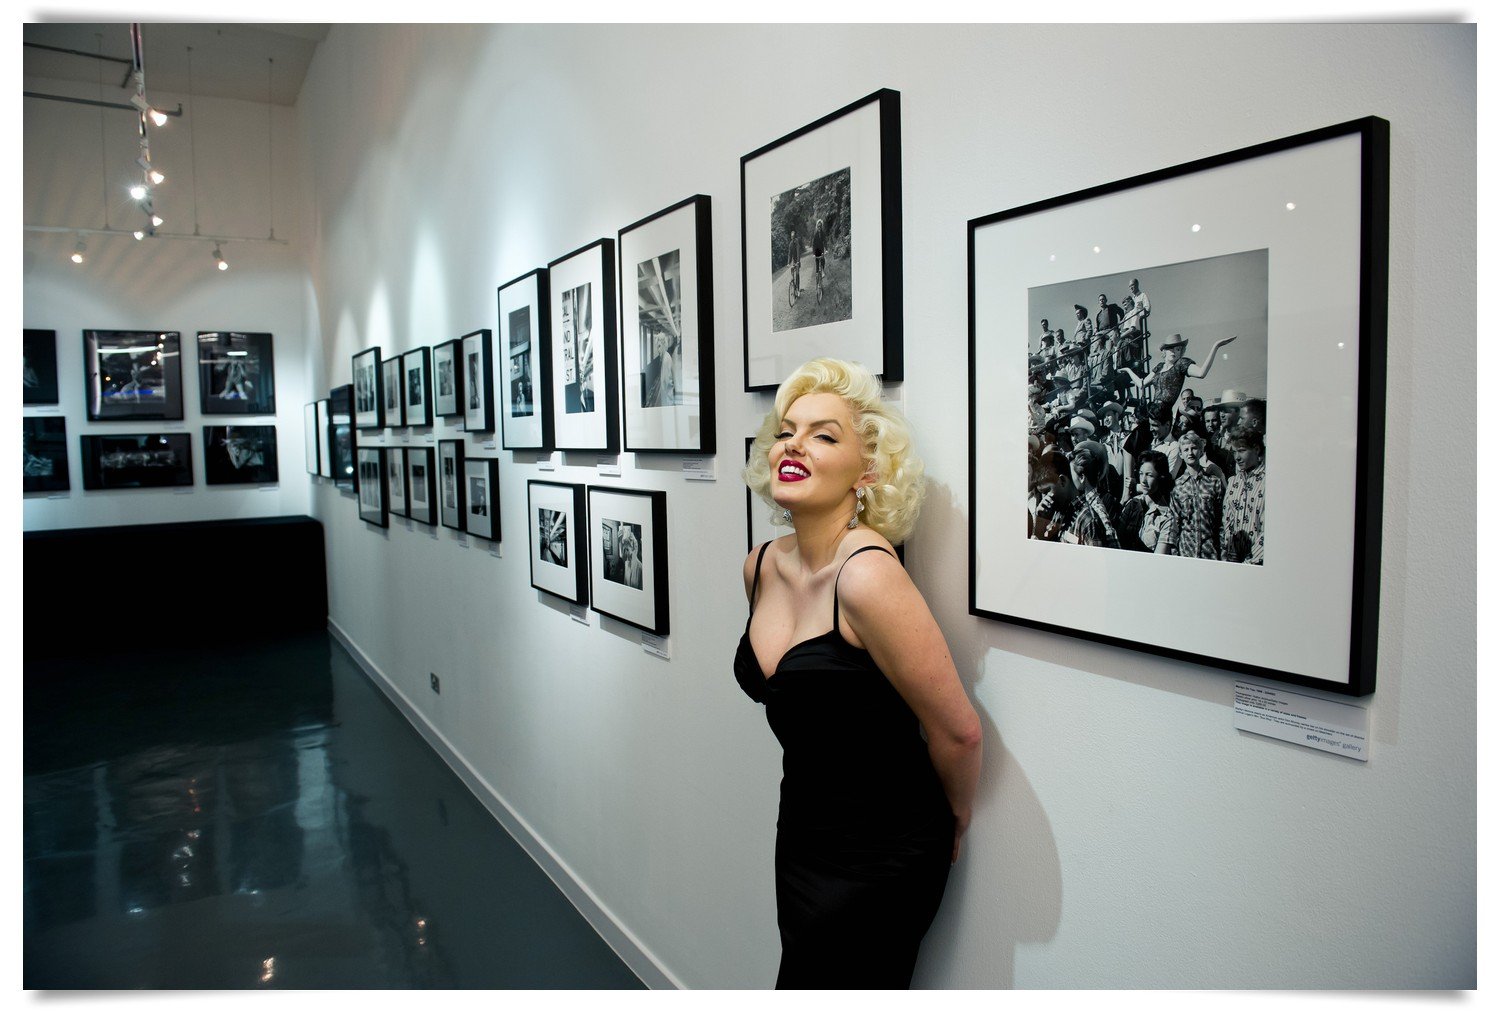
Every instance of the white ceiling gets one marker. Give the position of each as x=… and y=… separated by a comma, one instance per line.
x=242, y=61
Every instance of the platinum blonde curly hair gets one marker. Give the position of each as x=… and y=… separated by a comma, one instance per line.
x=893, y=502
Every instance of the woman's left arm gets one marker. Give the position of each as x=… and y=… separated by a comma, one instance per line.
x=885, y=610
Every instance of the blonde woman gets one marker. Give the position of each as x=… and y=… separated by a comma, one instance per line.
x=881, y=747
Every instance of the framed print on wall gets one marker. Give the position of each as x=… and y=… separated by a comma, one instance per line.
x=310, y=449
x=132, y=374
x=559, y=546
x=479, y=382
x=583, y=387
x=450, y=465
x=416, y=389
x=341, y=436
x=393, y=404
x=667, y=318
x=237, y=455
x=38, y=366
x=525, y=418
x=322, y=425
x=1261, y=272
x=482, y=497
x=820, y=215
x=369, y=484
x=137, y=460
x=628, y=556
x=236, y=373
x=447, y=378
x=44, y=456
x=395, y=481
x=419, y=485
x=369, y=399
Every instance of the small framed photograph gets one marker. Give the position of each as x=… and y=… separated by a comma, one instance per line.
x=369, y=399
x=559, y=547
x=369, y=484
x=236, y=373
x=482, y=497
x=395, y=481
x=310, y=438
x=448, y=378
x=391, y=381
x=820, y=213
x=323, y=430
x=341, y=436
x=419, y=488
x=451, y=483
x=583, y=387
x=39, y=366
x=628, y=556
x=416, y=391
x=44, y=454
x=667, y=313
x=132, y=374
x=479, y=382
x=239, y=455
x=137, y=460
x=525, y=331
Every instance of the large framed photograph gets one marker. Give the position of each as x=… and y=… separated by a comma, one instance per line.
x=369, y=398
x=447, y=378
x=559, y=548
x=420, y=495
x=392, y=378
x=341, y=436
x=583, y=385
x=1185, y=334
x=416, y=388
x=311, y=449
x=450, y=465
x=667, y=317
x=136, y=460
x=369, y=483
x=238, y=455
x=236, y=373
x=479, y=381
x=525, y=416
x=820, y=215
x=395, y=481
x=132, y=374
x=482, y=497
x=38, y=366
x=628, y=556
x=44, y=454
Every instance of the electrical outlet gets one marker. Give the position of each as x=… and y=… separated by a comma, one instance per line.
x=436, y=687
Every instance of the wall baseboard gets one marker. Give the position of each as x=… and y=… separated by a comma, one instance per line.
x=620, y=939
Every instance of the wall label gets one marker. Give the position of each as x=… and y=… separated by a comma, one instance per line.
x=698, y=469
x=657, y=646
x=609, y=465
x=1303, y=719
x=578, y=613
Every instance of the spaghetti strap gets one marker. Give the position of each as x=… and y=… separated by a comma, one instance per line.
x=755, y=586
x=867, y=548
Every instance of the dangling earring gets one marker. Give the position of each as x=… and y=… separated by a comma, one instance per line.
x=859, y=504
x=786, y=515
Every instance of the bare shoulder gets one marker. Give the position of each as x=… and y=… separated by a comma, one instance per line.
x=748, y=570
x=867, y=577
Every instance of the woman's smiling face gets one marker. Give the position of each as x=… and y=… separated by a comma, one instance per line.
x=818, y=457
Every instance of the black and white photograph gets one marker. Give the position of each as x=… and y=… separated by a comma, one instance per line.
x=136, y=460
x=395, y=481
x=520, y=400
x=451, y=485
x=809, y=288
x=417, y=390
x=311, y=451
x=666, y=295
x=1161, y=318
x=628, y=556
x=370, y=485
x=324, y=431
x=369, y=399
x=44, y=454
x=584, y=394
x=237, y=455
x=558, y=540
x=479, y=381
x=236, y=373
x=38, y=366
x=419, y=489
x=392, y=380
x=341, y=437
x=525, y=422
x=133, y=374
x=482, y=497
x=447, y=378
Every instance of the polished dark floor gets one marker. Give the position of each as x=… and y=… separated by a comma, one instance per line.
x=264, y=818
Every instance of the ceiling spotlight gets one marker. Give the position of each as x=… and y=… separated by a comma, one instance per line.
x=156, y=177
x=138, y=192
x=219, y=260
x=158, y=117
x=78, y=252
x=156, y=221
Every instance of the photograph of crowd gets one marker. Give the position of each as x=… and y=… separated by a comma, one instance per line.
x=1126, y=449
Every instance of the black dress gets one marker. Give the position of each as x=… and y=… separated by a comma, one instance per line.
x=865, y=832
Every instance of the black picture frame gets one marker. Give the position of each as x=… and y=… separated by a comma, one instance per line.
x=395, y=482
x=846, y=169
x=448, y=378
x=313, y=451
x=482, y=497
x=556, y=522
x=451, y=483
x=368, y=405
x=585, y=402
x=479, y=381
x=44, y=456
x=1313, y=209
x=420, y=493
x=341, y=436
x=236, y=373
x=239, y=455
x=525, y=336
x=131, y=375
x=416, y=387
x=393, y=402
x=369, y=485
x=758, y=525
x=136, y=460
x=38, y=366
x=667, y=357
x=629, y=583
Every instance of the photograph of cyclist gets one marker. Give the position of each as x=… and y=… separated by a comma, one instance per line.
x=811, y=283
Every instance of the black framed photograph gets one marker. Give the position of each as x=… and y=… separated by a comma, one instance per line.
x=420, y=495
x=559, y=546
x=320, y=438
x=239, y=455
x=38, y=366
x=136, y=460
x=236, y=373
x=369, y=398
x=395, y=481
x=392, y=377
x=132, y=374
x=525, y=329
x=1184, y=334
x=584, y=388
x=820, y=214
x=369, y=485
x=628, y=556
x=479, y=381
x=759, y=525
x=450, y=465
x=44, y=454
x=482, y=497
x=311, y=449
x=341, y=436
x=448, y=378
x=667, y=317
x=416, y=388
